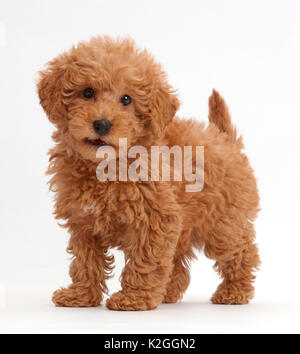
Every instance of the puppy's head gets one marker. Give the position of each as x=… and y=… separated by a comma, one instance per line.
x=103, y=90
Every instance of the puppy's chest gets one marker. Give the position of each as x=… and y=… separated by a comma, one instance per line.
x=93, y=201
x=102, y=204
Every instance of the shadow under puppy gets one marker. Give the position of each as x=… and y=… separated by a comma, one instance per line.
x=104, y=90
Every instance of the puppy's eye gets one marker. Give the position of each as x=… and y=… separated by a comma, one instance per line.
x=125, y=100
x=88, y=92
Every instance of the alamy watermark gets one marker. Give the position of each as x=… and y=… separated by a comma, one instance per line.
x=162, y=163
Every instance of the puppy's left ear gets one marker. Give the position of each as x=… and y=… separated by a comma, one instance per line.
x=164, y=105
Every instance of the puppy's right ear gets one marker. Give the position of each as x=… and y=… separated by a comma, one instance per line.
x=50, y=90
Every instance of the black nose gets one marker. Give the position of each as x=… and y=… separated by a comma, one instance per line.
x=102, y=126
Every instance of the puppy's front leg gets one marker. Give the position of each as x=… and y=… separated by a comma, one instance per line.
x=149, y=256
x=89, y=270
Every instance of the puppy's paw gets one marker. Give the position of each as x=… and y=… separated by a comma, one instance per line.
x=171, y=298
x=76, y=297
x=229, y=297
x=130, y=301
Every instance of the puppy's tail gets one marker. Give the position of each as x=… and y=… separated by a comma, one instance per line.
x=220, y=116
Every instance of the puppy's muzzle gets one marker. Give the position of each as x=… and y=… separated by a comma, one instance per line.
x=102, y=126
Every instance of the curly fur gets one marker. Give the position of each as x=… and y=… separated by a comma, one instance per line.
x=156, y=224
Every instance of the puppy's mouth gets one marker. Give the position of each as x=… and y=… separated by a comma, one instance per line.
x=96, y=142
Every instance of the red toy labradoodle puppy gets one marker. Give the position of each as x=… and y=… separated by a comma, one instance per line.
x=104, y=90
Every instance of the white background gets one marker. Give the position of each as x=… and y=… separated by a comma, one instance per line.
x=250, y=52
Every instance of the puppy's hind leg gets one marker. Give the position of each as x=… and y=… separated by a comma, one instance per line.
x=232, y=245
x=179, y=282
x=180, y=278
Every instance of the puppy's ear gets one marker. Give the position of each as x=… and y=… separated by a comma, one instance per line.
x=164, y=106
x=50, y=90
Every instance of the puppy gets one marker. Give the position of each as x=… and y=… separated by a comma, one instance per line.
x=105, y=90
